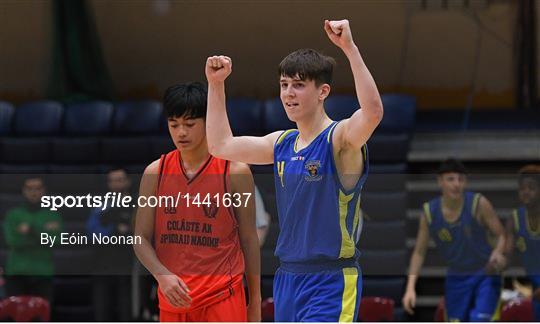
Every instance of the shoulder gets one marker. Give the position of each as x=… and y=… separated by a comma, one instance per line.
x=153, y=168
x=280, y=137
x=14, y=213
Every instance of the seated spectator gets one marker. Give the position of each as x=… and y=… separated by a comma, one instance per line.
x=29, y=266
x=113, y=264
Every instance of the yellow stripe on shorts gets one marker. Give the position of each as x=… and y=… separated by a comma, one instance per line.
x=348, y=303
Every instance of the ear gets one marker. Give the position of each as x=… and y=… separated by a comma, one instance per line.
x=324, y=91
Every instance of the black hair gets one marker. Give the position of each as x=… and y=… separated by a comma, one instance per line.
x=451, y=165
x=530, y=171
x=308, y=64
x=185, y=100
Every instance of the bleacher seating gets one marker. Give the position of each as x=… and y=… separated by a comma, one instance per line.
x=376, y=309
x=24, y=309
x=6, y=117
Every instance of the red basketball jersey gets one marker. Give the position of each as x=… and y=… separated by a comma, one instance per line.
x=198, y=239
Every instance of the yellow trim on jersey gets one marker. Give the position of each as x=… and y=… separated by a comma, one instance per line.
x=427, y=212
x=516, y=220
x=476, y=199
x=348, y=302
x=330, y=132
x=364, y=152
x=529, y=229
x=280, y=170
x=356, y=219
x=295, y=149
x=283, y=135
x=347, y=244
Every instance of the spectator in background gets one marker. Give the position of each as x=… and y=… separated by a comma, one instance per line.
x=29, y=266
x=262, y=217
x=459, y=222
x=523, y=230
x=112, y=263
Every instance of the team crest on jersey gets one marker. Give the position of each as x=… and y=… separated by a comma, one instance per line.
x=211, y=210
x=169, y=210
x=313, y=169
x=521, y=245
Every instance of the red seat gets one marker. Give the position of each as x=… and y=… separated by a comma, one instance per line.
x=267, y=310
x=440, y=315
x=376, y=309
x=25, y=309
x=520, y=310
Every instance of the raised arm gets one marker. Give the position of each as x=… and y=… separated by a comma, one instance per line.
x=356, y=130
x=221, y=142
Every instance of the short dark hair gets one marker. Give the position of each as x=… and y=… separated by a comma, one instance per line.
x=185, y=100
x=308, y=64
x=530, y=171
x=451, y=165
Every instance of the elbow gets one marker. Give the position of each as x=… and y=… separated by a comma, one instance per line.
x=376, y=114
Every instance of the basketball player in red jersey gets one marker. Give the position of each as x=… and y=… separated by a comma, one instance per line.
x=199, y=249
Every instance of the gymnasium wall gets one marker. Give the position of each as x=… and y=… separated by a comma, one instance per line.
x=149, y=44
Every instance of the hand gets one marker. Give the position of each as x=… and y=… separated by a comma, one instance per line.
x=497, y=262
x=254, y=311
x=536, y=294
x=52, y=226
x=218, y=68
x=174, y=289
x=409, y=301
x=23, y=228
x=339, y=33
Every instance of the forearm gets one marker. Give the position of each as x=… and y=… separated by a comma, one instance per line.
x=366, y=89
x=147, y=255
x=250, y=247
x=417, y=260
x=218, y=130
x=501, y=246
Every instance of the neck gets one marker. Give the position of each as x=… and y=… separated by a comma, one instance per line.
x=313, y=125
x=450, y=203
x=192, y=159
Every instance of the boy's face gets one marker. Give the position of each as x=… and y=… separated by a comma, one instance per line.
x=33, y=190
x=529, y=192
x=187, y=133
x=452, y=184
x=118, y=181
x=301, y=97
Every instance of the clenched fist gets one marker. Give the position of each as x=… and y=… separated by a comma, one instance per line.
x=339, y=33
x=218, y=68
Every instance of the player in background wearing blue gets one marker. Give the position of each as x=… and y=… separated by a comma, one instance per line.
x=319, y=170
x=523, y=229
x=459, y=222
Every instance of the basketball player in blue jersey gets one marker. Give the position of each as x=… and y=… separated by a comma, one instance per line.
x=319, y=170
x=524, y=229
x=459, y=222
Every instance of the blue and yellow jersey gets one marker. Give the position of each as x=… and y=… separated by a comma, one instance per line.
x=463, y=243
x=319, y=220
x=527, y=244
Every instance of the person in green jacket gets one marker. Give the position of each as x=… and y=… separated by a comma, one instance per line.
x=29, y=267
